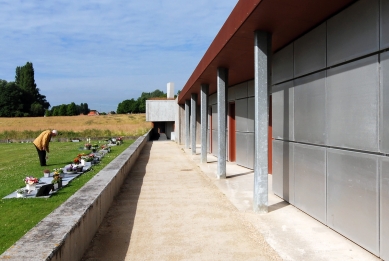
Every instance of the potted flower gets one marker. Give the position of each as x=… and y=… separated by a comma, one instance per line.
x=58, y=171
x=70, y=168
x=30, y=183
x=46, y=173
x=57, y=181
x=76, y=160
x=88, y=146
x=94, y=147
x=21, y=193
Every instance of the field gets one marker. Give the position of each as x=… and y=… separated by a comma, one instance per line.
x=75, y=126
x=18, y=160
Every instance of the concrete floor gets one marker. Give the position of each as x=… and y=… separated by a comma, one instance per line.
x=172, y=207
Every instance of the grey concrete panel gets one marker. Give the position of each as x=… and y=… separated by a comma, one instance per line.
x=384, y=115
x=250, y=88
x=310, y=109
x=241, y=115
x=352, y=104
x=241, y=90
x=214, y=117
x=282, y=68
x=310, y=180
x=214, y=142
x=310, y=51
x=353, y=32
x=241, y=149
x=231, y=93
x=212, y=99
x=250, y=114
x=282, y=111
x=283, y=175
x=384, y=208
x=384, y=24
x=250, y=150
x=353, y=197
x=161, y=110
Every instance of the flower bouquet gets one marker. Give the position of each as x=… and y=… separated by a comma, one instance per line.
x=30, y=183
x=76, y=160
x=88, y=146
x=21, y=193
x=57, y=181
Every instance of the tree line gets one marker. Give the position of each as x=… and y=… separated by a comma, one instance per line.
x=139, y=105
x=71, y=109
x=22, y=98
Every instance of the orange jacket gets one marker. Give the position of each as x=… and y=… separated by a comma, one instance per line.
x=42, y=141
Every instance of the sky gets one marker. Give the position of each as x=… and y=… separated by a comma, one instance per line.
x=103, y=52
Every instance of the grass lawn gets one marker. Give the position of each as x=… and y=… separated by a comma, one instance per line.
x=18, y=160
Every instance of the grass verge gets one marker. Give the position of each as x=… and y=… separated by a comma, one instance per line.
x=18, y=160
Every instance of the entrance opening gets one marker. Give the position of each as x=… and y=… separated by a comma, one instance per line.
x=270, y=139
x=231, y=133
x=210, y=128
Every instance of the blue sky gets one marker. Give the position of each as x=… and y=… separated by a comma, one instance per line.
x=103, y=52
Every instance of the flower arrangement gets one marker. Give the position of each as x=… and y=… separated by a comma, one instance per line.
x=21, y=191
x=56, y=179
x=76, y=160
x=88, y=146
x=31, y=180
x=87, y=158
x=58, y=171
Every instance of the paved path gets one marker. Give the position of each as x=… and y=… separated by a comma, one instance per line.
x=169, y=210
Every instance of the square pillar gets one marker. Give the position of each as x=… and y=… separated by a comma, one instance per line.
x=262, y=60
x=187, y=124
x=204, y=121
x=193, y=122
x=222, y=85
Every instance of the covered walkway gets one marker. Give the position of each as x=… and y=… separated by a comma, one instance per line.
x=173, y=208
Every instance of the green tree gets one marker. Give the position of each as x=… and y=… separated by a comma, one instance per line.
x=11, y=103
x=63, y=110
x=72, y=109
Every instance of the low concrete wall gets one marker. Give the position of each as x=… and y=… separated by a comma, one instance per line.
x=66, y=232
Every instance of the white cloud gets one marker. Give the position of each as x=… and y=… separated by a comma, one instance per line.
x=117, y=48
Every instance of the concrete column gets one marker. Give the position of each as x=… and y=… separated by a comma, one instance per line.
x=193, y=121
x=204, y=121
x=262, y=60
x=187, y=125
x=222, y=85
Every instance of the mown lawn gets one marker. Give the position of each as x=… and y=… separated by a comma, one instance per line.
x=18, y=160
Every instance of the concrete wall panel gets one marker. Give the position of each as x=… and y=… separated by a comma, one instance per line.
x=283, y=175
x=384, y=208
x=310, y=180
x=310, y=109
x=241, y=149
x=231, y=93
x=384, y=115
x=250, y=88
x=353, y=32
x=353, y=197
x=214, y=143
x=352, y=104
x=241, y=115
x=212, y=99
x=250, y=150
x=161, y=110
x=282, y=111
x=282, y=67
x=214, y=117
x=250, y=114
x=310, y=51
x=241, y=90
x=384, y=24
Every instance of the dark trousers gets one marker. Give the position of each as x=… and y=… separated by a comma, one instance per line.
x=42, y=156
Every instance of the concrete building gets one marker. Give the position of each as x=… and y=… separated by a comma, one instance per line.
x=301, y=88
x=162, y=113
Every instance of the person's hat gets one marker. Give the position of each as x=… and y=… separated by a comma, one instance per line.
x=54, y=132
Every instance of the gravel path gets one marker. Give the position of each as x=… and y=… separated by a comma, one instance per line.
x=169, y=210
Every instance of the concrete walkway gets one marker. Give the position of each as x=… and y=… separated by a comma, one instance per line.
x=171, y=207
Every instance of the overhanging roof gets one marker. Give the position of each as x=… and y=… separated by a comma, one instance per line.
x=233, y=46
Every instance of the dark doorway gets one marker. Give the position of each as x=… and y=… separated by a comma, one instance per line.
x=231, y=133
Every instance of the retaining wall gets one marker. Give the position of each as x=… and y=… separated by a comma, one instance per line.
x=66, y=232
